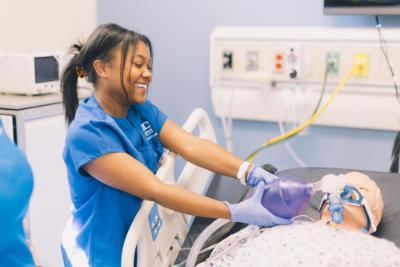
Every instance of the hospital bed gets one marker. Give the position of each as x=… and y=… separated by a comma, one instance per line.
x=156, y=234
x=389, y=227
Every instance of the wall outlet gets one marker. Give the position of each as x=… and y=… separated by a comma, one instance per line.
x=227, y=60
x=361, y=63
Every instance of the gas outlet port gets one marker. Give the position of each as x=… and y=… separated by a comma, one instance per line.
x=332, y=62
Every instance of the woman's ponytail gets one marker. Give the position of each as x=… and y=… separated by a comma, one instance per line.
x=69, y=84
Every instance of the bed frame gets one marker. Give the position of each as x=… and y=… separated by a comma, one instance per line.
x=156, y=234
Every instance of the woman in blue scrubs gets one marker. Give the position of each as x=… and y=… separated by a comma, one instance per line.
x=16, y=184
x=115, y=140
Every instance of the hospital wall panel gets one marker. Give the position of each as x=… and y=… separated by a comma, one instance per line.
x=283, y=79
x=180, y=31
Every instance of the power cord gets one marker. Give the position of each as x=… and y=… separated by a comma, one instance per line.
x=394, y=165
x=321, y=95
x=383, y=46
x=289, y=148
x=309, y=121
x=324, y=83
x=200, y=252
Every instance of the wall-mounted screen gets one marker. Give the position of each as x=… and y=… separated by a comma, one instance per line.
x=362, y=7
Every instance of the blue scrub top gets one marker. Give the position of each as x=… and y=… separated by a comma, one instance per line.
x=101, y=215
x=16, y=184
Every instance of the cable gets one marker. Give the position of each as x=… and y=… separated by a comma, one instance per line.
x=281, y=126
x=394, y=165
x=304, y=216
x=321, y=95
x=226, y=120
x=254, y=230
x=383, y=46
x=200, y=252
x=290, y=149
x=309, y=121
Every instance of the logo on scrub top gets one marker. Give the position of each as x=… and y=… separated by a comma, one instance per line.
x=148, y=130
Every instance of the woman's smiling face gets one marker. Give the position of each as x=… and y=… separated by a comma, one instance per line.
x=136, y=75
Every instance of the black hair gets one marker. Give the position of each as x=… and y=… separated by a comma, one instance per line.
x=99, y=45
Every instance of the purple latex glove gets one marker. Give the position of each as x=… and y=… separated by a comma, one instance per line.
x=251, y=211
x=258, y=174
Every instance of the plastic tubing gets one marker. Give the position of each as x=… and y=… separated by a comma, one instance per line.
x=308, y=122
x=201, y=239
x=336, y=208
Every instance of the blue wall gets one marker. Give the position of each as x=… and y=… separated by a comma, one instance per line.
x=180, y=33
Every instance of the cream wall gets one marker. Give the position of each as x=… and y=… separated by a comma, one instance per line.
x=45, y=25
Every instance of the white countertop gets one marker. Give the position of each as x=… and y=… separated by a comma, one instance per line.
x=17, y=102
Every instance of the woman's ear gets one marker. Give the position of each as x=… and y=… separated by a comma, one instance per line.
x=101, y=68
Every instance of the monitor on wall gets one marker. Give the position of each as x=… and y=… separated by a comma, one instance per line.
x=362, y=7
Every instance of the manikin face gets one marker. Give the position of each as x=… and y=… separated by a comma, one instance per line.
x=136, y=77
x=353, y=216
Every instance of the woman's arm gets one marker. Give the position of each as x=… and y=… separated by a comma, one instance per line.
x=122, y=171
x=199, y=151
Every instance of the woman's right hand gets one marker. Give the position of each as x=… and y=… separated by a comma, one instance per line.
x=251, y=211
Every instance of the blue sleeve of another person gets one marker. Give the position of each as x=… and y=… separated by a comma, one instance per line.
x=92, y=140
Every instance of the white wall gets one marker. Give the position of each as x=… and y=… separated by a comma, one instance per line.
x=180, y=32
x=45, y=25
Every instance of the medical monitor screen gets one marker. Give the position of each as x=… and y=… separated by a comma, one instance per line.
x=362, y=7
x=46, y=69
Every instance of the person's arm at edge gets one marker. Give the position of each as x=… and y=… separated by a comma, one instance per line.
x=200, y=152
x=121, y=171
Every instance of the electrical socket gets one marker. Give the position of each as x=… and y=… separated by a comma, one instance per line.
x=227, y=60
x=361, y=63
x=332, y=62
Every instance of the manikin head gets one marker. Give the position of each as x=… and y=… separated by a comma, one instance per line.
x=354, y=217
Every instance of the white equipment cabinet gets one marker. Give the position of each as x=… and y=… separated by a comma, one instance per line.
x=8, y=125
x=39, y=129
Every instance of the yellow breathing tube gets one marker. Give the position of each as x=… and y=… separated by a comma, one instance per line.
x=309, y=121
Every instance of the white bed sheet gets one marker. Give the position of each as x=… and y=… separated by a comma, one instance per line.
x=303, y=244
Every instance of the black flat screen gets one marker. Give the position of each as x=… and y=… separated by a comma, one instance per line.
x=46, y=69
x=353, y=3
x=367, y=7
